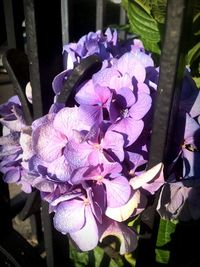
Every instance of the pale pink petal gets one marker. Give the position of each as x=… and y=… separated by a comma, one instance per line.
x=148, y=176
x=43, y=184
x=130, y=128
x=104, y=76
x=87, y=238
x=141, y=107
x=13, y=175
x=89, y=116
x=69, y=216
x=114, y=141
x=103, y=94
x=26, y=143
x=128, y=63
x=48, y=142
x=77, y=153
x=143, y=88
x=28, y=91
x=122, y=213
x=65, y=197
x=127, y=237
x=14, y=125
x=118, y=191
x=86, y=95
x=60, y=169
x=67, y=120
x=118, y=82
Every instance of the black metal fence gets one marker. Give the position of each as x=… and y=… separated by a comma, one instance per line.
x=49, y=25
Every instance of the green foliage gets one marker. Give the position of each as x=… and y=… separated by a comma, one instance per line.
x=143, y=24
x=193, y=57
x=147, y=19
x=166, y=229
x=94, y=258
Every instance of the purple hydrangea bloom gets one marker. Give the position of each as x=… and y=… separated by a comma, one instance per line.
x=105, y=45
x=88, y=161
x=179, y=197
x=15, y=145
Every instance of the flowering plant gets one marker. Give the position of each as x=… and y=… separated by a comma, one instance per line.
x=88, y=157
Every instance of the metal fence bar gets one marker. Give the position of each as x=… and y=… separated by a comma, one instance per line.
x=44, y=48
x=169, y=85
x=65, y=21
x=6, y=219
x=100, y=8
x=65, y=26
x=122, y=21
x=165, y=113
x=13, y=11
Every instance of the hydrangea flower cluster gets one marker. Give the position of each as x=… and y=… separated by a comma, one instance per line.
x=179, y=198
x=89, y=160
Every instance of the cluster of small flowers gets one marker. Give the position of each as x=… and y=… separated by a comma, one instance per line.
x=88, y=161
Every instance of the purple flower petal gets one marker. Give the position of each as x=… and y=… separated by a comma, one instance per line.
x=90, y=115
x=43, y=184
x=104, y=76
x=141, y=107
x=127, y=237
x=152, y=174
x=48, y=142
x=96, y=157
x=130, y=128
x=59, y=168
x=191, y=126
x=87, y=238
x=77, y=153
x=113, y=142
x=118, y=191
x=68, y=119
x=122, y=213
x=92, y=95
x=143, y=58
x=13, y=175
x=58, y=81
x=118, y=82
x=128, y=63
x=69, y=216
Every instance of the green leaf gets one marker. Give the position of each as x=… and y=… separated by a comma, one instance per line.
x=196, y=23
x=145, y=4
x=79, y=259
x=131, y=259
x=166, y=229
x=197, y=81
x=159, y=10
x=96, y=258
x=194, y=53
x=143, y=24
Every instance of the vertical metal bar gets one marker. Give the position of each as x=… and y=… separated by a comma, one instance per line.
x=56, y=244
x=169, y=86
x=6, y=220
x=100, y=9
x=122, y=21
x=9, y=19
x=65, y=27
x=44, y=48
x=13, y=20
x=48, y=235
x=178, y=22
x=65, y=21
x=32, y=49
